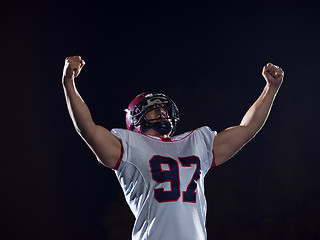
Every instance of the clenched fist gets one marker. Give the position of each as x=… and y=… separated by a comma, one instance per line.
x=273, y=74
x=72, y=67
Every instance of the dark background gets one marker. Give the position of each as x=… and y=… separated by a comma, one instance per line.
x=209, y=59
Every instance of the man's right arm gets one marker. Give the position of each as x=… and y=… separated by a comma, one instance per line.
x=101, y=141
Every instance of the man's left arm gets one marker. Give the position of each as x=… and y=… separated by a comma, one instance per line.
x=231, y=140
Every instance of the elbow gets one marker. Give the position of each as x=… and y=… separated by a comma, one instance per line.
x=251, y=128
x=86, y=132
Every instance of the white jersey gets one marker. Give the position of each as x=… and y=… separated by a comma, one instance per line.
x=163, y=183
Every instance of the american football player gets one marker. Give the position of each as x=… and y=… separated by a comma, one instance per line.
x=162, y=174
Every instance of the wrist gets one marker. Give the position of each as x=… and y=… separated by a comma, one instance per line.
x=66, y=80
x=272, y=87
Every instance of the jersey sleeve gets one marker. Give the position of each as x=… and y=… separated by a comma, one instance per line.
x=208, y=137
x=123, y=135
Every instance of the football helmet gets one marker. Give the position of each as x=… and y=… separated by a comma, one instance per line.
x=165, y=123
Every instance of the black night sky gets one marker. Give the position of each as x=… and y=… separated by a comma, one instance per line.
x=208, y=58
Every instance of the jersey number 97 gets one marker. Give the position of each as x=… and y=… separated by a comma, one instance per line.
x=171, y=175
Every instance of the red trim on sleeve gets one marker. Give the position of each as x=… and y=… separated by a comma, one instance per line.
x=119, y=160
x=213, y=162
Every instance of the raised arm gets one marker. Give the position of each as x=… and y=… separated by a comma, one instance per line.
x=231, y=140
x=102, y=142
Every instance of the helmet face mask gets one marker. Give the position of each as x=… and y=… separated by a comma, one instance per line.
x=164, y=118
